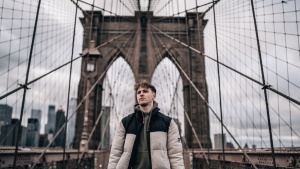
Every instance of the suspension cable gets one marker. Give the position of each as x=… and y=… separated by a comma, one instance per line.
x=219, y=85
x=230, y=68
x=108, y=10
x=25, y=86
x=185, y=11
x=84, y=54
x=69, y=87
x=264, y=86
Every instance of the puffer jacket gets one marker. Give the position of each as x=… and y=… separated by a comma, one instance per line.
x=162, y=137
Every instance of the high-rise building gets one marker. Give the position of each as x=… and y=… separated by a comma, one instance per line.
x=218, y=140
x=37, y=114
x=5, y=115
x=105, y=136
x=8, y=134
x=43, y=142
x=50, y=126
x=33, y=134
x=59, y=122
x=71, y=123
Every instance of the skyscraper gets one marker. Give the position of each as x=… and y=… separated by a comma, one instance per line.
x=8, y=134
x=50, y=126
x=33, y=134
x=5, y=114
x=59, y=122
x=71, y=123
x=37, y=114
x=218, y=141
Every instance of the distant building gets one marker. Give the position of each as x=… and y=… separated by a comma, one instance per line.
x=218, y=141
x=5, y=115
x=43, y=142
x=229, y=145
x=8, y=134
x=71, y=123
x=59, y=122
x=37, y=114
x=50, y=126
x=33, y=134
x=105, y=136
x=50, y=137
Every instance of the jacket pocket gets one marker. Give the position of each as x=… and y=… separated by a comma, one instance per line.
x=160, y=159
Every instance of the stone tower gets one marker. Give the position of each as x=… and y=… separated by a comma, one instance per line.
x=143, y=61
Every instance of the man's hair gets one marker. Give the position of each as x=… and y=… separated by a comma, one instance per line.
x=145, y=84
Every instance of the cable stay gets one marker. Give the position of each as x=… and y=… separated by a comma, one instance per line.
x=202, y=54
x=182, y=12
x=113, y=13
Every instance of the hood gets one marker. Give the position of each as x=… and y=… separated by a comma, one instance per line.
x=152, y=112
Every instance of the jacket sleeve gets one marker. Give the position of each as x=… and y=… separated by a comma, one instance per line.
x=175, y=147
x=117, y=147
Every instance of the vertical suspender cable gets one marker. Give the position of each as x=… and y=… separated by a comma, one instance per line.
x=219, y=84
x=25, y=85
x=264, y=84
x=178, y=21
x=69, y=87
x=102, y=22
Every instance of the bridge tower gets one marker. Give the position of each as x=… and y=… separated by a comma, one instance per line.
x=143, y=61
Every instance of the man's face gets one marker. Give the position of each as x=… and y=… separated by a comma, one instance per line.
x=145, y=96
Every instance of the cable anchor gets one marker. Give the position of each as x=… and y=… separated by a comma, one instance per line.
x=266, y=87
x=24, y=86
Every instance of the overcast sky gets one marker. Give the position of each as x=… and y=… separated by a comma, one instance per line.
x=243, y=101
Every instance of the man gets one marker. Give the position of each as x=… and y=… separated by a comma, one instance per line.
x=146, y=139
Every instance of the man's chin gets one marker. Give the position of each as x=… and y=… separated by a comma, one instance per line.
x=142, y=104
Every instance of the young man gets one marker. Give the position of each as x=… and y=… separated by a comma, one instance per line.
x=146, y=139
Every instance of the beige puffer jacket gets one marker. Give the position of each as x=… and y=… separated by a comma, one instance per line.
x=165, y=143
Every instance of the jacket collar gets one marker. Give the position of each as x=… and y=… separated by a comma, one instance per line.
x=153, y=111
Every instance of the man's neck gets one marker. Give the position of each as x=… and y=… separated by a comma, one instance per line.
x=146, y=108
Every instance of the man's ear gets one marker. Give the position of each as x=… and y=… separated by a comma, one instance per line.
x=154, y=96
